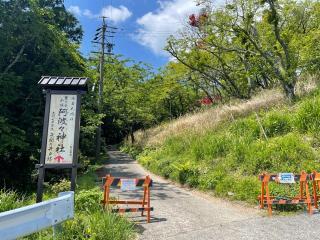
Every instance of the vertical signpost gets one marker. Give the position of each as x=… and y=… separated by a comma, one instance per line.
x=60, y=137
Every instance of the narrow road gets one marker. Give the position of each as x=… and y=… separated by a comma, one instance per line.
x=183, y=214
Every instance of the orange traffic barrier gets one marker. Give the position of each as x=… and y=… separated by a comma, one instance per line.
x=304, y=195
x=316, y=188
x=126, y=184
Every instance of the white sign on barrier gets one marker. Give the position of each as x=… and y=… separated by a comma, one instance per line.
x=128, y=184
x=286, y=178
x=30, y=219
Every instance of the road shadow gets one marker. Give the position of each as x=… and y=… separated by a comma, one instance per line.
x=140, y=222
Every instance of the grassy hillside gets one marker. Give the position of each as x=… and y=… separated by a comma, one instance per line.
x=224, y=149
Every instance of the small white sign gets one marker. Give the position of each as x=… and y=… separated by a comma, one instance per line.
x=61, y=129
x=286, y=178
x=128, y=184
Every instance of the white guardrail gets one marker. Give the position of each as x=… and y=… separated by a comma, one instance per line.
x=30, y=219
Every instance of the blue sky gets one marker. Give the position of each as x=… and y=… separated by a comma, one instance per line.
x=143, y=25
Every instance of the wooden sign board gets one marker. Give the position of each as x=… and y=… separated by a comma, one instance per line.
x=61, y=129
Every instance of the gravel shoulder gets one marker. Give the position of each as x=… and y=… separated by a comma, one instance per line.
x=180, y=213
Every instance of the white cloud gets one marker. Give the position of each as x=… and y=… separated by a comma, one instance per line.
x=87, y=13
x=75, y=10
x=168, y=19
x=114, y=14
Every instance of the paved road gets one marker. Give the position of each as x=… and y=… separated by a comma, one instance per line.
x=184, y=214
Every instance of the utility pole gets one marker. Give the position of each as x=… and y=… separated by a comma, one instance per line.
x=101, y=39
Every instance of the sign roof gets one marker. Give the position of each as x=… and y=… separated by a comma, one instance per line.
x=54, y=82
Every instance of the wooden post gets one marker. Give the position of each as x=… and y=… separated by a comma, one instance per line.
x=316, y=188
x=266, y=180
x=144, y=198
x=262, y=193
x=149, y=206
x=43, y=147
x=40, y=185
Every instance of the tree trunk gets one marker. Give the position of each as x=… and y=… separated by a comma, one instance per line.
x=16, y=59
x=132, y=136
x=289, y=91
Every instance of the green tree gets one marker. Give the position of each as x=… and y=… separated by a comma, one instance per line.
x=247, y=45
x=36, y=38
x=136, y=98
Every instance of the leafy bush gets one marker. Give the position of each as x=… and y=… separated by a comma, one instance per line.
x=88, y=200
x=247, y=189
x=185, y=174
x=62, y=186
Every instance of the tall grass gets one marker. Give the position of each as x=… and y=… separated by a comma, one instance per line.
x=208, y=119
x=10, y=200
x=200, y=122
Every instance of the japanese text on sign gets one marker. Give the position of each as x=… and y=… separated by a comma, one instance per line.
x=61, y=129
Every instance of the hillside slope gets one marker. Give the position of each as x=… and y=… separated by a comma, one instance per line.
x=224, y=149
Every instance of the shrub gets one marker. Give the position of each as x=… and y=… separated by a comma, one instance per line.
x=247, y=189
x=185, y=173
x=88, y=200
x=62, y=186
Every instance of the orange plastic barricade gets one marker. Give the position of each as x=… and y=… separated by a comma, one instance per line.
x=126, y=184
x=316, y=188
x=303, y=198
